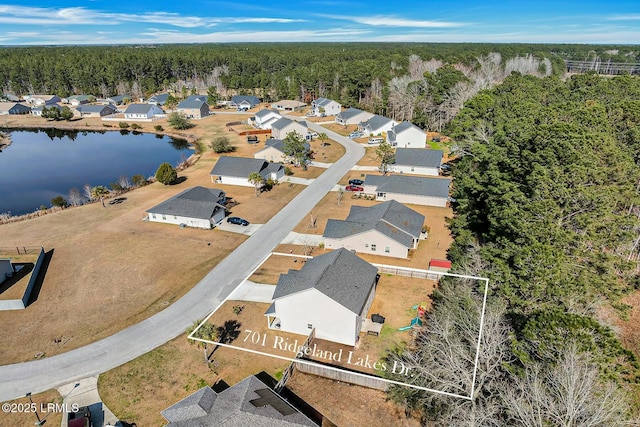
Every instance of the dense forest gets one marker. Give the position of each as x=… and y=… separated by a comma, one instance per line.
x=547, y=207
x=387, y=78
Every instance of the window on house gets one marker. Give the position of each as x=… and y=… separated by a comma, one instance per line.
x=175, y=217
x=164, y=216
x=387, y=249
x=412, y=168
x=309, y=326
x=153, y=216
x=373, y=247
x=366, y=245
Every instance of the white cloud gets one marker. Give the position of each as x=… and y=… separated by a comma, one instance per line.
x=626, y=17
x=390, y=21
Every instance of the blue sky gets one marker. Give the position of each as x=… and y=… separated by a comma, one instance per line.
x=207, y=21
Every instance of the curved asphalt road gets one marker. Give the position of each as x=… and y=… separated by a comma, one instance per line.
x=18, y=379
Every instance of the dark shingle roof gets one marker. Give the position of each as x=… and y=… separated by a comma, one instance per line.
x=322, y=102
x=414, y=185
x=399, y=128
x=390, y=218
x=195, y=202
x=418, y=157
x=138, y=108
x=349, y=113
x=281, y=123
x=249, y=403
x=189, y=104
x=160, y=98
x=119, y=98
x=252, y=100
x=339, y=274
x=376, y=122
x=241, y=167
x=96, y=108
x=265, y=112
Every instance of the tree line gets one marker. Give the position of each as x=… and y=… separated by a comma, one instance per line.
x=547, y=207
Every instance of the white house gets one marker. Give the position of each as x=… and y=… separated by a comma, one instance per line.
x=76, y=100
x=265, y=118
x=142, y=112
x=288, y=105
x=376, y=125
x=198, y=207
x=37, y=111
x=331, y=293
x=235, y=170
x=325, y=106
x=407, y=135
x=388, y=229
x=417, y=161
x=415, y=190
x=352, y=116
x=274, y=151
x=47, y=100
x=244, y=101
x=284, y=126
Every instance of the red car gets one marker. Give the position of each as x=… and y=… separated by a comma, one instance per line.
x=353, y=188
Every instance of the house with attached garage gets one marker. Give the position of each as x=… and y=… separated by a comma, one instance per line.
x=96, y=110
x=288, y=105
x=415, y=190
x=198, y=207
x=407, y=135
x=13, y=108
x=417, y=161
x=159, y=99
x=194, y=107
x=331, y=293
x=274, y=151
x=325, y=106
x=265, y=118
x=143, y=112
x=388, y=229
x=251, y=402
x=376, y=125
x=47, y=100
x=235, y=170
x=37, y=111
x=352, y=116
x=76, y=100
x=118, y=99
x=244, y=101
x=284, y=126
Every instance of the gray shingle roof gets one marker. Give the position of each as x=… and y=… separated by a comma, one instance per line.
x=322, y=102
x=119, y=98
x=189, y=104
x=376, y=122
x=349, y=113
x=241, y=167
x=340, y=274
x=96, y=108
x=252, y=100
x=401, y=127
x=195, y=405
x=418, y=157
x=196, y=202
x=278, y=144
x=281, y=123
x=233, y=407
x=414, y=185
x=265, y=112
x=138, y=108
x=390, y=218
x=160, y=98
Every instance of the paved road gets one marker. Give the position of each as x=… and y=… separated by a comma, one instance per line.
x=18, y=379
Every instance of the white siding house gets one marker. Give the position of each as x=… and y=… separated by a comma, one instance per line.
x=331, y=293
x=265, y=118
x=417, y=161
x=407, y=135
x=274, y=151
x=376, y=125
x=352, y=116
x=325, y=106
x=197, y=207
x=415, y=190
x=388, y=229
x=283, y=127
x=235, y=170
x=142, y=112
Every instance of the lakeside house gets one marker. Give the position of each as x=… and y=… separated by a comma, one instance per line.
x=274, y=151
x=194, y=107
x=198, y=207
x=236, y=170
x=96, y=110
x=388, y=229
x=143, y=112
x=331, y=293
x=7, y=108
x=37, y=111
x=37, y=100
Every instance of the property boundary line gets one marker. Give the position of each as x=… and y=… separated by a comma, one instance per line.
x=307, y=362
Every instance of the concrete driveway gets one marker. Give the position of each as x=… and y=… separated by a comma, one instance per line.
x=215, y=287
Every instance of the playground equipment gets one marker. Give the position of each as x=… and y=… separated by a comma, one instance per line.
x=416, y=321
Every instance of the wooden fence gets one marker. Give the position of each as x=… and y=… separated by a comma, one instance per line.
x=407, y=272
x=343, y=375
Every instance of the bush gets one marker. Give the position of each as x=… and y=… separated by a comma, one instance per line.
x=139, y=180
x=136, y=126
x=166, y=174
x=59, y=201
x=123, y=125
x=288, y=171
x=179, y=121
x=222, y=145
x=158, y=128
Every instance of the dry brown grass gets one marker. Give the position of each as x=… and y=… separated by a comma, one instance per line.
x=28, y=418
x=340, y=129
x=270, y=270
x=118, y=269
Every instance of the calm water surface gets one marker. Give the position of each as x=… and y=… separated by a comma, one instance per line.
x=40, y=165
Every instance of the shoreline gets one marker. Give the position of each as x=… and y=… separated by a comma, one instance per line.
x=5, y=140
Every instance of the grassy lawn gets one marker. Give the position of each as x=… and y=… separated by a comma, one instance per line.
x=270, y=270
x=28, y=417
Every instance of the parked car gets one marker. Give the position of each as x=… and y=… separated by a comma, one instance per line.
x=353, y=188
x=355, y=134
x=237, y=220
x=356, y=182
x=376, y=140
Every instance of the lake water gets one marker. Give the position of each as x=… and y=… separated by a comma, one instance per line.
x=40, y=165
